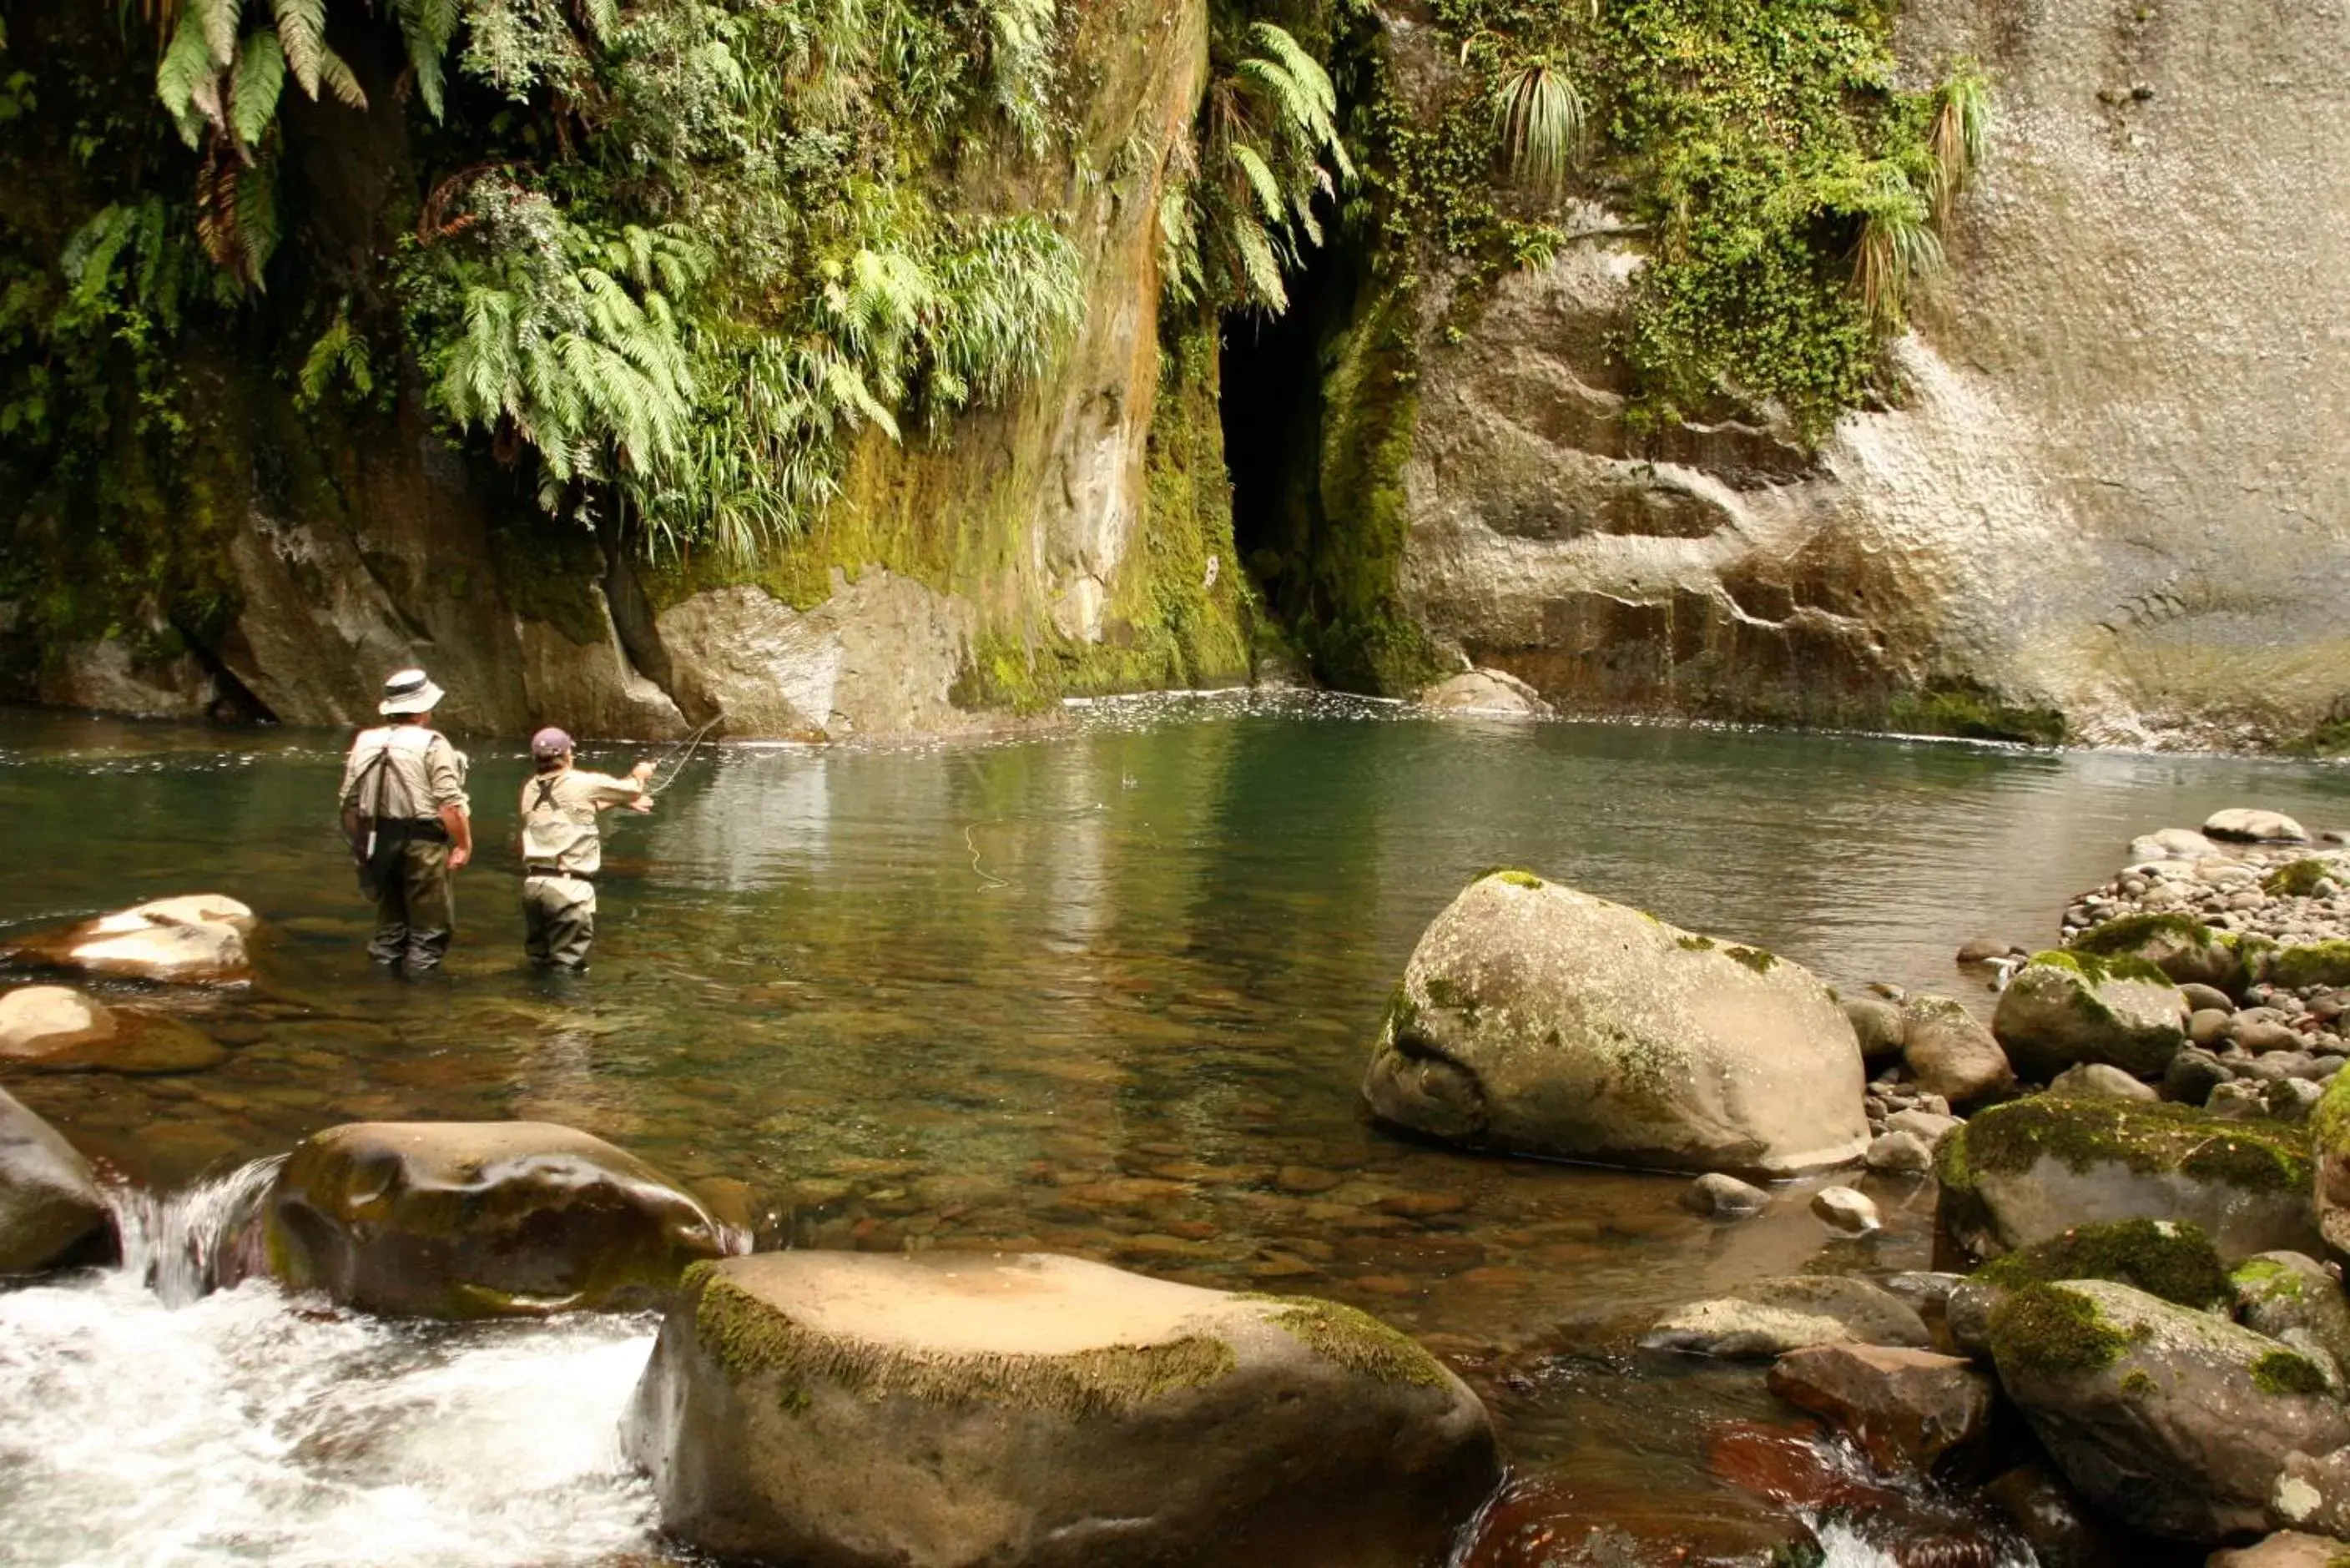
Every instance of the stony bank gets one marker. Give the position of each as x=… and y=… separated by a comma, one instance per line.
x=640, y=366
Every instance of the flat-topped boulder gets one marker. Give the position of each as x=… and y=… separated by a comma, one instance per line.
x=1486, y=692
x=2065, y=1008
x=851, y=1410
x=1536, y=1019
x=51, y=1211
x=465, y=1220
x=2030, y=1169
x=197, y=937
x=2253, y=825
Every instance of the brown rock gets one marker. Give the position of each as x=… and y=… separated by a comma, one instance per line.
x=1950, y=1054
x=1908, y=1410
x=2285, y=1549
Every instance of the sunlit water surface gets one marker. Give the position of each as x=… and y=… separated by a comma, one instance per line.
x=1107, y=991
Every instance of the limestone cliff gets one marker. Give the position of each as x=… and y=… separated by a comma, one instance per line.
x=2110, y=483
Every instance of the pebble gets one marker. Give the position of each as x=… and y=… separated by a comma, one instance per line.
x=1846, y=1211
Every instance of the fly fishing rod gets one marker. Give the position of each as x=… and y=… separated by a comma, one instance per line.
x=691, y=745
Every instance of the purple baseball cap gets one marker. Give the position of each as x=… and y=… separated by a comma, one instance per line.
x=550, y=743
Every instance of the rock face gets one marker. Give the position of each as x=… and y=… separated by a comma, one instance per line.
x=844, y=1410
x=2024, y=1172
x=50, y=1208
x=1908, y=1410
x=464, y=1220
x=2048, y=511
x=2176, y=1421
x=2061, y=1008
x=1536, y=1019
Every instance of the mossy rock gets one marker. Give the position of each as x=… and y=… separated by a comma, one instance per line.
x=2329, y=1135
x=1538, y=1019
x=2174, y=1261
x=2296, y=879
x=838, y=1408
x=2183, y=948
x=467, y=1220
x=2031, y=1169
x=2066, y=1007
x=2311, y=964
x=2178, y=1422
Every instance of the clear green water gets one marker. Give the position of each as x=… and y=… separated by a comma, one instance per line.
x=1106, y=990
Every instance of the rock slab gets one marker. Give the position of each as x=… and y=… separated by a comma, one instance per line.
x=851, y=1411
x=1536, y=1019
x=2061, y=1008
x=51, y=1210
x=466, y=1220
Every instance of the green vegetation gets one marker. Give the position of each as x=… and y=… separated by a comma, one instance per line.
x=1755, y=959
x=2124, y=938
x=2284, y=1371
x=1355, y=1341
x=2255, y=1156
x=1972, y=710
x=1515, y=875
x=2311, y=964
x=2175, y=1262
x=2096, y=969
x=2329, y=1123
x=2047, y=1331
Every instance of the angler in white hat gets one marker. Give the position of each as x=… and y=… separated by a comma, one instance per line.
x=408, y=824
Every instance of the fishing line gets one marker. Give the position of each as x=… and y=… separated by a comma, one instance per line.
x=692, y=745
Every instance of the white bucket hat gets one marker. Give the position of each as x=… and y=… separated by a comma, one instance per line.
x=410, y=691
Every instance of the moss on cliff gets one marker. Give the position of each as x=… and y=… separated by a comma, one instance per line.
x=1971, y=711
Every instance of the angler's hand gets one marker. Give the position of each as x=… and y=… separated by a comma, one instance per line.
x=642, y=771
x=460, y=856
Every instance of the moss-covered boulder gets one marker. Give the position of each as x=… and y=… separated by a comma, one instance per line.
x=845, y=1410
x=2307, y=964
x=466, y=1220
x=2289, y=1297
x=2183, y=948
x=2175, y=1262
x=51, y=1211
x=2034, y=1168
x=1950, y=1053
x=2176, y=1421
x=1536, y=1019
x=2329, y=1138
x=2065, y=1008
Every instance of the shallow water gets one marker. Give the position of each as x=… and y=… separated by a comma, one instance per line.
x=1107, y=990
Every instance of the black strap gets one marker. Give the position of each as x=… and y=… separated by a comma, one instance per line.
x=558, y=871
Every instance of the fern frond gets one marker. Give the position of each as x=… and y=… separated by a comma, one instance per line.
x=1260, y=265
x=427, y=27
x=218, y=19
x=256, y=220
x=254, y=86
x=1260, y=179
x=302, y=31
x=186, y=70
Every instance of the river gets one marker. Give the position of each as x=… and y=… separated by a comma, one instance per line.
x=1105, y=990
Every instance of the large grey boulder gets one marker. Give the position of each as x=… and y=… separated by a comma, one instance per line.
x=1536, y=1019
x=2023, y=1172
x=196, y=937
x=2176, y=1421
x=2254, y=825
x=51, y=1210
x=1950, y=1053
x=465, y=1220
x=851, y=1411
x=2063, y=1008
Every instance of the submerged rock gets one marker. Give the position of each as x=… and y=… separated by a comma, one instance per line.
x=51, y=1211
x=2178, y=1422
x=1908, y=1410
x=196, y=937
x=2061, y=1008
x=464, y=1220
x=1536, y=1019
x=1950, y=1054
x=839, y=1410
x=1770, y=1317
x=1845, y=1210
x=54, y=1029
x=1719, y=1196
x=2019, y=1173
x=1486, y=692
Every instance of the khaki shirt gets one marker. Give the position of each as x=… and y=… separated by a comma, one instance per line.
x=422, y=773
x=558, y=818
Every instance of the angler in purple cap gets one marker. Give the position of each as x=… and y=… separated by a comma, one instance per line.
x=562, y=850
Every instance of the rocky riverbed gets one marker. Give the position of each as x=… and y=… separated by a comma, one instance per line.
x=2119, y=1218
